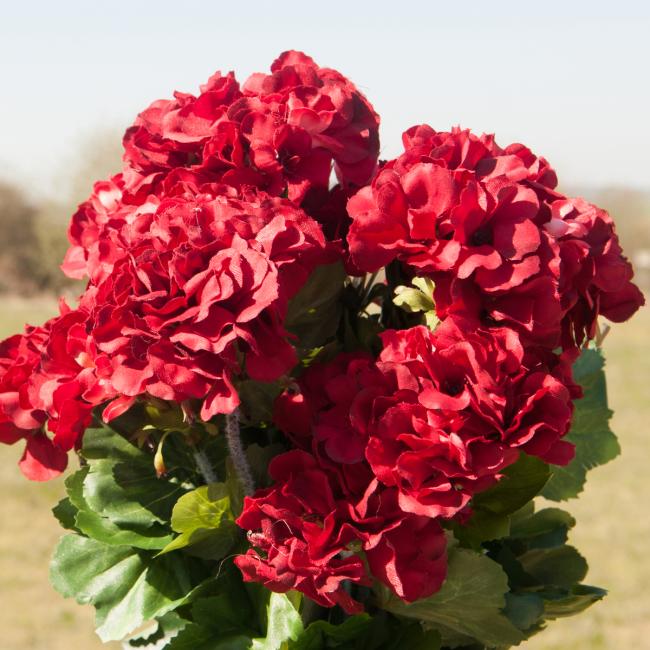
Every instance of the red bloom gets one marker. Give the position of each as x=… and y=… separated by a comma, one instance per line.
x=465, y=402
x=50, y=377
x=283, y=133
x=501, y=245
x=439, y=415
x=461, y=210
x=320, y=408
x=19, y=358
x=300, y=541
x=306, y=528
x=209, y=276
x=596, y=278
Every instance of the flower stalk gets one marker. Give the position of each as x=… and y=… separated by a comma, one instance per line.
x=204, y=466
x=236, y=449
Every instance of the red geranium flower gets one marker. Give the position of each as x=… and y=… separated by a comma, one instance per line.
x=209, y=277
x=305, y=531
x=283, y=133
x=439, y=415
x=501, y=245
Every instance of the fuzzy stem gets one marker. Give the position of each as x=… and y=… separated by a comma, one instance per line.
x=203, y=465
x=237, y=453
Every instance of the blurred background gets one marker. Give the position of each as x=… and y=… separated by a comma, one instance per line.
x=569, y=79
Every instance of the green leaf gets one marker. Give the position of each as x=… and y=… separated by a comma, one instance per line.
x=571, y=602
x=257, y=399
x=388, y=632
x=65, y=512
x=197, y=637
x=122, y=485
x=126, y=588
x=426, y=285
x=542, y=570
x=412, y=300
x=166, y=626
x=544, y=529
x=258, y=460
x=283, y=624
x=562, y=566
x=322, y=634
x=220, y=625
x=363, y=632
x=101, y=443
x=468, y=606
x=523, y=480
x=222, y=615
x=205, y=523
x=92, y=524
x=413, y=637
x=315, y=311
x=524, y=610
x=418, y=299
x=594, y=441
x=483, y=526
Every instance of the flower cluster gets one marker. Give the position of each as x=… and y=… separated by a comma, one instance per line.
x=224, y=208
x=520, y=271
x=487, y=225
x=192, y=252
x=282, y=133
x=428, y=424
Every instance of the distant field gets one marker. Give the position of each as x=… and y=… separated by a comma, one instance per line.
x=612, y=532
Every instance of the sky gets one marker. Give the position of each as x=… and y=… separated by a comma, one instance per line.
x=569, y=79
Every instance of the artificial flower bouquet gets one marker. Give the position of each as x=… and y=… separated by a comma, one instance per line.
x=313, y=394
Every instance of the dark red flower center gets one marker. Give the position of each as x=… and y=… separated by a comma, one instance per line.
x=481, y=236
x=452, y=387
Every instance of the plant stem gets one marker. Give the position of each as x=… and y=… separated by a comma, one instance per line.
x=204, y=466
x=237, y=453
x=311, y=611
x=368, y=289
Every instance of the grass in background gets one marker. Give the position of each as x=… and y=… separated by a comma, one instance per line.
x=612, y=531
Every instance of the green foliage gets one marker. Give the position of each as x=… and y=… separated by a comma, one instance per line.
x=122, y=513
x=65, y=513
x=221, y=616
x=205, y=523
x=122, y=482
x=126, y=587
x=571, y=601
x=322, y=634
x=89, y=522
x=283, y=623
x=418, y=298
x=468, y=607
x=257, y=400
x=117, y=498
x=258, y=458
x=227, y=622
x=166, y=626
x=590, y=433
x=492, y=509
x=382, y=631
x=544, y=573
x=315, y=311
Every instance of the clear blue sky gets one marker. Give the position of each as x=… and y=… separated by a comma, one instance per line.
x=570, y=79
